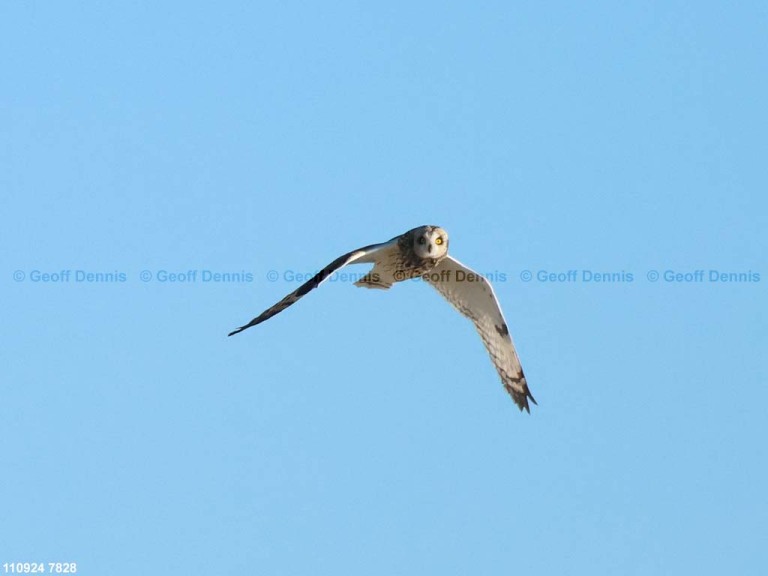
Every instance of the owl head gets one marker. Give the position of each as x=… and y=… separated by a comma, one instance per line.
x=430, y=242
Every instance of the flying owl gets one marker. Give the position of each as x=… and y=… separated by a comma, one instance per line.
x=423, y=252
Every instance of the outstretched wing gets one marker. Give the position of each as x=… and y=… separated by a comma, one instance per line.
x=367, y=254
x=472, y=295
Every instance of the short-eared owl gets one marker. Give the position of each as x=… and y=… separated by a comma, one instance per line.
x=423, y=251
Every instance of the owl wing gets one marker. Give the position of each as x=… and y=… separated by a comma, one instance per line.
x=367, y=254
x=472, y=295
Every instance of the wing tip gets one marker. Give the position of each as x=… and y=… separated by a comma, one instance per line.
x=238, y=330
x=254, y=322
x=521, y=398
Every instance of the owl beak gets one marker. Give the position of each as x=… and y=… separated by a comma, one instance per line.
x=429, y=248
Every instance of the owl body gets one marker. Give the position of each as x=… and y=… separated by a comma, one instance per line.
x=414, y=254
x=411, y=255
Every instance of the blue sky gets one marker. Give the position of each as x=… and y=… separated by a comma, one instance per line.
x=366, y=432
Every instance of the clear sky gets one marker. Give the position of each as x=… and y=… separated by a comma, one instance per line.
x=146, y=147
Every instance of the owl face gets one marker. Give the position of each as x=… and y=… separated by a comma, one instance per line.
x=430, y=242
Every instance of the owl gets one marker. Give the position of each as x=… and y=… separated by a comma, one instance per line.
x=423, y=252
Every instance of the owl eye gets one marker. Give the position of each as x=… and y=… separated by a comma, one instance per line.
x=422, y=240
x=439, y=240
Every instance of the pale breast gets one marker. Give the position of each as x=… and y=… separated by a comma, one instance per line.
x=405, y=265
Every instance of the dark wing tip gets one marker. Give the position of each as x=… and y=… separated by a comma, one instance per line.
x=523, y=404
x=521, y=398
x=238, y=330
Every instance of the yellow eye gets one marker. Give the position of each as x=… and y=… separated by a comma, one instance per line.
x=438, y=240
